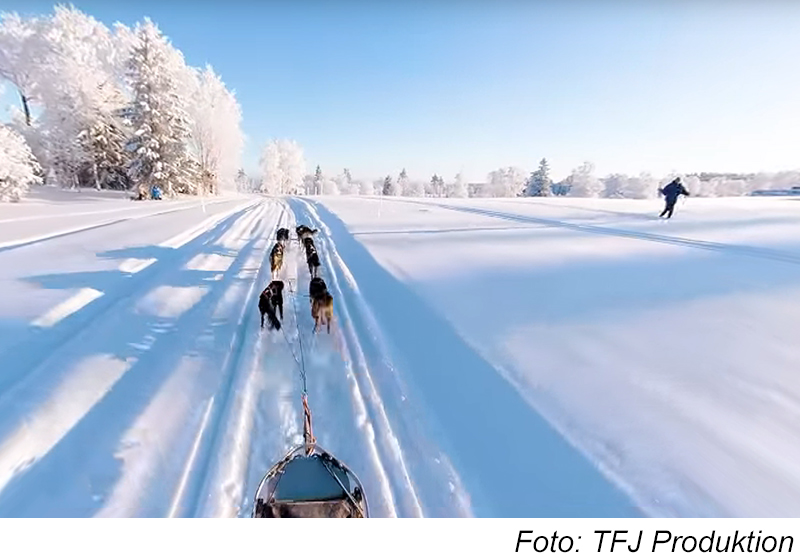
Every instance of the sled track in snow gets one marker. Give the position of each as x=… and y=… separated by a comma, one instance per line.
x=395, y=442
x=396, y=487
x=222, y=467
x=726, y=248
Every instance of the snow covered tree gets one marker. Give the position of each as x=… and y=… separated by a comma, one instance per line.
x=582, y=182
x=458, y=189
x=158, y=115
x=415, y=189
x=242, y=181
x=283, y=167
x=22, y=50
x=403, y=184
x=434, y=188
x=539, y=182
x=344, y=183
x=330, y=187
x=18, y=167
x=388, y=187
x=216, y=136
x=368, y=188
x=319, y=180
x=505, y=182
x=80, y=89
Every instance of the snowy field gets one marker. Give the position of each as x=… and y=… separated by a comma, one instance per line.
x=512, y=358
x=664, y=351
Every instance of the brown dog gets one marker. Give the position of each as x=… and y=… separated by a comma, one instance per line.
x=322, y=310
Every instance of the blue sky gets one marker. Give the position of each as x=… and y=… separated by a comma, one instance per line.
x=446, y=86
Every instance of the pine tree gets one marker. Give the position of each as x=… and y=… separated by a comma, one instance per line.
x=539, y=183
x=436, y=186
x=158, y=116
x=242, y=181
x=457, y=189
x=402, y=184
x=319, y=179
x=388, y=188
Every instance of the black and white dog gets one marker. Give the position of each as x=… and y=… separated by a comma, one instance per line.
x=270, y=303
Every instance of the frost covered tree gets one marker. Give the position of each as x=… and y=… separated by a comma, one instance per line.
x=403, y=184
x=457, y=189
x=22, y=50
x=242, y=181
x=344, y=183
x=101, y=104
x=583, y=183
x=618, y=185
x=367, y=188
x=217, y=139
x=330, y=187
x=539, y=182
x=159, y=116
x=438, y=187
x=283, y=167
x=388, y=187
x=319, y=181
x=18, y=167
x=505, y=182
x=78, y=134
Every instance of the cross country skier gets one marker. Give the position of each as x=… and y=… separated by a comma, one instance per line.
x=671, y=193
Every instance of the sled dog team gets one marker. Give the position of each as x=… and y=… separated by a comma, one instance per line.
x=270, y=303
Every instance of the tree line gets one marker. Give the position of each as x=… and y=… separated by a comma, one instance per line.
x=283, y=171
x=112, y=108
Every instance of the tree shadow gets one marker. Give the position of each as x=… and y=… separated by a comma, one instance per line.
x=73, y=477
x=118, y=287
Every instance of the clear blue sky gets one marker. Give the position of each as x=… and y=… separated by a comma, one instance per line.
x=448, y=86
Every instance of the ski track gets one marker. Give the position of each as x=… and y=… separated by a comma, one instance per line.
x=26, y=356
x=222, y=490
x=730, y=248
x=30, y=240
x=176, y=393
x=445, y=476
x=58, y=396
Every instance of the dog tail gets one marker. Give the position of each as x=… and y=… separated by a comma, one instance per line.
x=274, y=323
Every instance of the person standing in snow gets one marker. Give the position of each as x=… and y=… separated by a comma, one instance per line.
x=671, y=193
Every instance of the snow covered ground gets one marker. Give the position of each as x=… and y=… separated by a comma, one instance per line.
x=514, y=358
x=664, y=351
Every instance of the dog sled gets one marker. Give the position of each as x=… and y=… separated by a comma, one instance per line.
x=309, y=482
x=310, y=486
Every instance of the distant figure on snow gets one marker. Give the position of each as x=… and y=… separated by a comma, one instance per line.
x=671, y=193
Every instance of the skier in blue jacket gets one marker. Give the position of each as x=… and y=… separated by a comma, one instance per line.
x=671, y=193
